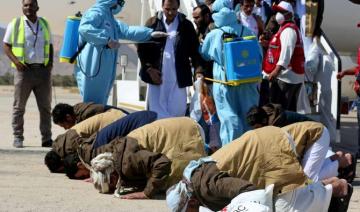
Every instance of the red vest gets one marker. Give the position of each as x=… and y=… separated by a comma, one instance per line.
x=273, y=53
x=358, y=60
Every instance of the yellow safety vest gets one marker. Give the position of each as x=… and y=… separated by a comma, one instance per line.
x=18, y=39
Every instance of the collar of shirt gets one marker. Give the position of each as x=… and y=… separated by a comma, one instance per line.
x=31, y=23
x=244, y=16
x=175, y=19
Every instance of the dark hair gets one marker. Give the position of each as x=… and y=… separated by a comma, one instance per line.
x=33, y=0
x=53, y=161
x=60, y=111
x=178, y=1
x=256, y=115
x=241, y=2
x=204, y=9
x=209, y=1
x=70, y=165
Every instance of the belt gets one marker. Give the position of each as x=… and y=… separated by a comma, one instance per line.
x=35, y=65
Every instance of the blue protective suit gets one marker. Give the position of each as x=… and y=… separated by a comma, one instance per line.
x=97, y=27
x=232, y=102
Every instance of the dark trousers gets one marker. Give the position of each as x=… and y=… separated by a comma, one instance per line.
x=37, y=80
x=264, y=92
x=285, y=94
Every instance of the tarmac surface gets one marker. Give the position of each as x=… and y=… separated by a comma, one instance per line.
x=27, y=185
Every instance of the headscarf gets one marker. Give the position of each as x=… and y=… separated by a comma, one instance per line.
x=101, y=168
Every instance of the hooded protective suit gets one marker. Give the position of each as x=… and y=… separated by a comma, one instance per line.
x=96, y=65
x=232, y=102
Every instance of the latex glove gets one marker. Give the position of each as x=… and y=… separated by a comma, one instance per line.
x=113, y=44
x=158, y=34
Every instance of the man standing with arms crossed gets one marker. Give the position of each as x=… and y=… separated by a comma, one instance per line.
x=28, y=44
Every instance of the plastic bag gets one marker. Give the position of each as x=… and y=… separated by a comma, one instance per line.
x=313, y=60
x=208, y=106
x=252, y=201
x=195, y=105
x=256, y=201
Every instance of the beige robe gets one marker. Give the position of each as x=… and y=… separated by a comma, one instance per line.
x=95, y=123
x=177, y=138
x=263, y=157
x=305, y=134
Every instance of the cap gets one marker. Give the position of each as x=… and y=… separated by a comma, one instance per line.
x=283, y=6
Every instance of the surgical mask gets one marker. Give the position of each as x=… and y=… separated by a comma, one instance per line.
x=116, y=10
x=280, y=18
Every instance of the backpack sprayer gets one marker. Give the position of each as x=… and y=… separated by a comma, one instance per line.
x=70, y=50
x=242, y=60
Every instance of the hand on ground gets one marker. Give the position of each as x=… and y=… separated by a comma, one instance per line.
x=136, y=195
x=88, y=180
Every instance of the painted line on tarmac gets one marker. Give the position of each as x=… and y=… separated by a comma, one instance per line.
x=24, y=151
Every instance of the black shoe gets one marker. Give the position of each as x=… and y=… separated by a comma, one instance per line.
x=47, y=143
x=341, y=204
x=349, y=173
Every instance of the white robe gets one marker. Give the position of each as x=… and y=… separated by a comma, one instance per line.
x=167, y=99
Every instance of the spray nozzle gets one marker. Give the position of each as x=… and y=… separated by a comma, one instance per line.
x=78, y=14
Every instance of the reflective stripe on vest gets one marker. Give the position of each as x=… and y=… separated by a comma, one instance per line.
x=18, y=39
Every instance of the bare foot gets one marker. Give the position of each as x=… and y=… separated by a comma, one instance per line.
x=339, y=186
x=345, y=160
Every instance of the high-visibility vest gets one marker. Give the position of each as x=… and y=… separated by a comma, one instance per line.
x=18, y=39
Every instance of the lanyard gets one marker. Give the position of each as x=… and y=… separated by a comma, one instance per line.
x=35, y=33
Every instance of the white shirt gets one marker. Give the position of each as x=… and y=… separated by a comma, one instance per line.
x=32, y=54
x=288, y=39
x=249, y=22
x=260, y=11
x=168, y=63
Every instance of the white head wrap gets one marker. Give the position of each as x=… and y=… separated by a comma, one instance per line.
x=101, y=168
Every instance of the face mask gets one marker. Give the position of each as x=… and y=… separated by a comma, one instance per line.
x=116, y=10
x=280, y=18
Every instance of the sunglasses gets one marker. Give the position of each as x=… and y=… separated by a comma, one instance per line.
x=121, y=2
